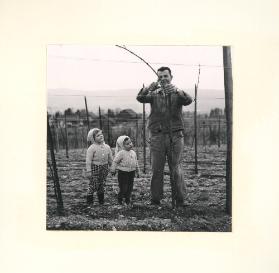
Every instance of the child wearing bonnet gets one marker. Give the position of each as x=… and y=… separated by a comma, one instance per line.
x=125, y=161
x=98, y=160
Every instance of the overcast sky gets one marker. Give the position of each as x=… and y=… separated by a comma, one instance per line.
x=112, y=71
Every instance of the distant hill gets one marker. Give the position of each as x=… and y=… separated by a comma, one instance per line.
x=61, y=99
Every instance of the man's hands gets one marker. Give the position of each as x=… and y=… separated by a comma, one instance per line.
x=169, y=88
x=153, y=86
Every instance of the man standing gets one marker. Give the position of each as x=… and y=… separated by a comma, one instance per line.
x=166, y=128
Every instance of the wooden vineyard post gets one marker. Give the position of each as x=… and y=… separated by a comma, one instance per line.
x=59, y=199
x=203, y=134
x=136, y=139
x=66, y=134
x=108, y=131
x=196, y=134
x=81, y=138
x=100, y=119
x=219, y=131
x=87, y=116
x=210, y=133
x=56, y=138
x=193, y=139
x=150, y=156
x=62, y=134
x=144, y=139
x=228, y=82
x=76, y=138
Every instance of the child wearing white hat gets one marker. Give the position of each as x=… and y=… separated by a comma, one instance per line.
x=98, y=160
x=125, y=161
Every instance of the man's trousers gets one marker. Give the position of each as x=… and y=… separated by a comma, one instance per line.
x=160, y=149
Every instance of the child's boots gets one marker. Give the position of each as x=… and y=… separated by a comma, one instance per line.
x=101, y=198
x=119, y=200
x=89, y=199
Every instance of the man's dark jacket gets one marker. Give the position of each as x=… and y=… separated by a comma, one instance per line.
x=159, y=119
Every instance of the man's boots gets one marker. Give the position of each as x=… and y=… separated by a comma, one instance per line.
x=101, y=198
x=89, y=199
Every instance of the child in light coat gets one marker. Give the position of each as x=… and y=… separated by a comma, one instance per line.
x=98, y=160
x=125, y=161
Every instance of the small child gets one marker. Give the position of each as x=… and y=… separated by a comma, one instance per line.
x=98, y=158
x=125, y=161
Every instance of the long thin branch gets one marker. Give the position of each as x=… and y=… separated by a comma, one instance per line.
x=123, y=47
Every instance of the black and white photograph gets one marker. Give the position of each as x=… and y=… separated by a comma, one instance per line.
x=139, y=138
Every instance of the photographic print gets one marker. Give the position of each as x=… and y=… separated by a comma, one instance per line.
x=139, y=138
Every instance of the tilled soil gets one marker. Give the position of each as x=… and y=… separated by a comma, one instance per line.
x=205, y=202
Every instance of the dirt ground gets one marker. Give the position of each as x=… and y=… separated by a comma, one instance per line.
x=205, y=202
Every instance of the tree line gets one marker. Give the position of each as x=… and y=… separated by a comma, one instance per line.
x=71, y=127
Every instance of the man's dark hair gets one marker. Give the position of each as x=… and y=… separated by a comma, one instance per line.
x=163, y=68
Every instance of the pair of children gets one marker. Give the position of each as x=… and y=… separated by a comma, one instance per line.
x=99, y=159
